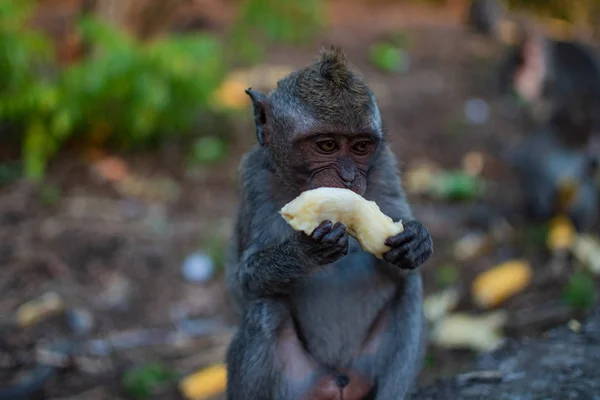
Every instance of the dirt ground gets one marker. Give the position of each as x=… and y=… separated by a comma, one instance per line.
x=120, y=257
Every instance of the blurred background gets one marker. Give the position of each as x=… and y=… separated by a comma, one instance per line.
x=122, y=123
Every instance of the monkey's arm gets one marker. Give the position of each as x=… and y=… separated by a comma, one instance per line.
x=413, y=246
x=270, y=270
x=268, y=255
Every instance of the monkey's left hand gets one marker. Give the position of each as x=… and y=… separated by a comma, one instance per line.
x=411, y=247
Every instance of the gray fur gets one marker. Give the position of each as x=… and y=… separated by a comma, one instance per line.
x=276, y=280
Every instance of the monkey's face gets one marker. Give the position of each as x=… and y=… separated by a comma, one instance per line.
x=337, y=160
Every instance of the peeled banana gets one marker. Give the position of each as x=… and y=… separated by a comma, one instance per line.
x=363, y=218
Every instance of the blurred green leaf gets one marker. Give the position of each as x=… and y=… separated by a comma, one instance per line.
x=125, y=92
x=458, y=185
x=429, y=361
x=536, y=235
x=208, y=150
x=388, y=57
x=36, y=150
x=261, y=21
x=49, y=194
x=141, y=382
x=446, y=275
x=580, y=292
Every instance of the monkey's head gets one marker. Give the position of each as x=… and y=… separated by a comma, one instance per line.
x=321, y=125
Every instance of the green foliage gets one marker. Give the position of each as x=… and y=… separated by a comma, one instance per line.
x=124, y=92
x=207, y=150
x=293, y=21
x=49, y=194
x=446, y=275
x=389, y=57
x=580, y=292
x=458, y=186
x=535, y=235
x=26, y=94
x=143, y=90
x=142, y=382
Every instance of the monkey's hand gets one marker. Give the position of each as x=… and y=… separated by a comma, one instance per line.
x=410, y=248
x=327, y=243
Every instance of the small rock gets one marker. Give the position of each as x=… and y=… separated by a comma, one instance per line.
x=131, y=209
x=476, y=111
x=470, y=246
x=198, y=267
x=116, y=292
x=80, y=320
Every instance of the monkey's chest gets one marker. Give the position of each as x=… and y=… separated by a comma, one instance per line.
x=336, y=307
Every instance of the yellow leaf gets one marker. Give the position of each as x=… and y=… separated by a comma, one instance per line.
x=562, y=233
x=205, y=383
x=475, y=332
x=36, y=310
x=501, y=282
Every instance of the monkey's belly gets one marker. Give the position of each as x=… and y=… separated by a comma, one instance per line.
x=336, y=308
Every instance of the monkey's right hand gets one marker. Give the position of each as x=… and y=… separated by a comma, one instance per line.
x=327, y=243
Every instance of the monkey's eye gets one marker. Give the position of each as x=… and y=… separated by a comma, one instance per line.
x=327, y=146
x=362, y=147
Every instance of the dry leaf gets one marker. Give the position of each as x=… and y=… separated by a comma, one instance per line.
x=586, y=250
x=473, y=163
x=33, y=311
x=419, y=179
x=471, y=245
x=501, y=282
x=464, y=331
x=205, y=383
x=112, y=169
x=437, y=305
x=562, y=233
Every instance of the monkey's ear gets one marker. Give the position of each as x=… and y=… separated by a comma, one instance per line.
x=259, y=104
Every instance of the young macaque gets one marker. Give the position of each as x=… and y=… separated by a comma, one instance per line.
x=562, y=161
x=541, y=71
x=321, y=317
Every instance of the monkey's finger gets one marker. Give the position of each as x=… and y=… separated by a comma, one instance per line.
x=336, y=233
x=396, y=254
x=400, y=239
x=344, y=243
x=332, y=253
x=321, y=230
x=423, y=252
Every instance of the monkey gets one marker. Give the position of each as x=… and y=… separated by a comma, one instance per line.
x=321, y=318
x=543, y=71
x=539, y=70
x=559, y=158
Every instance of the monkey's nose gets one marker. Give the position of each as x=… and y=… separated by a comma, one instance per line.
x=347, y=182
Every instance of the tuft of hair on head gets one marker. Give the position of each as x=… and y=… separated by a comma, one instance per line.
x=333, y=65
